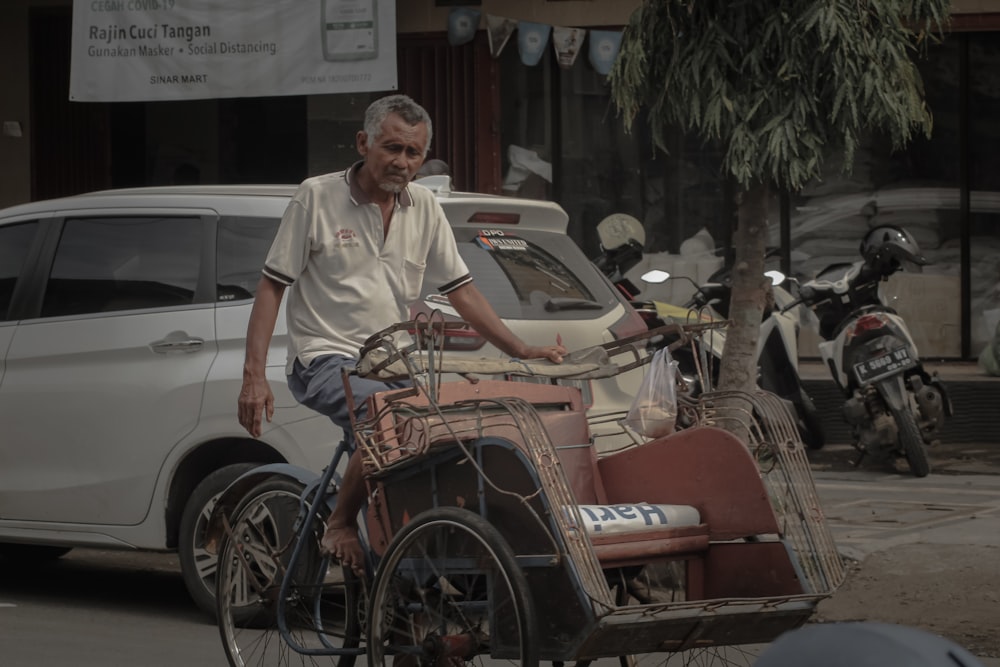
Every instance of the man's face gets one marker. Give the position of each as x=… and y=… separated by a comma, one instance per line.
x=397, y=153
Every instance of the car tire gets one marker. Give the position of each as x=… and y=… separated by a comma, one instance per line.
x=198, y=567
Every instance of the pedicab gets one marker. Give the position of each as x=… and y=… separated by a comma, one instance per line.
x=496, y=530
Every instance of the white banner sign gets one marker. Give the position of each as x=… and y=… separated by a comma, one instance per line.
x=136, y=50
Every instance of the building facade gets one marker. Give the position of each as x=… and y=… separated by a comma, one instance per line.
x=549, y=131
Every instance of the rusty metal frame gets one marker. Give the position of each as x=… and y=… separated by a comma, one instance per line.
x=762, y=421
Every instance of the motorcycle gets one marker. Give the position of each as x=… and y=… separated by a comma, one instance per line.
x=894, y=407
x=777, y=352
x=777, y=347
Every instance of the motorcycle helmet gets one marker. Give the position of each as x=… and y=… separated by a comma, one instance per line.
x=864, y=644
x=622, y=238
x=888, y=249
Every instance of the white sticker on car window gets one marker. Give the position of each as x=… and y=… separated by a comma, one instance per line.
x=500, y=242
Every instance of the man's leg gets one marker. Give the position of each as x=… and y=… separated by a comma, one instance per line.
x=341, y=535
x=320, y=386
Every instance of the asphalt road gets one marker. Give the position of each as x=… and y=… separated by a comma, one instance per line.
x=100, y=608
x=104, y=608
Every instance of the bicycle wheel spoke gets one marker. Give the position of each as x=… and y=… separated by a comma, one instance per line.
x=320, y=607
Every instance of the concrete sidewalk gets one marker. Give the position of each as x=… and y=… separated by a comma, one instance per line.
x=927, y=550
x=871, y=511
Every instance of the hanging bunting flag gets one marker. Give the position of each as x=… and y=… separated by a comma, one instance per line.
x=532, y=38
x=462, y=25
x=567, y=43
x=499, y=30
x=604, y=46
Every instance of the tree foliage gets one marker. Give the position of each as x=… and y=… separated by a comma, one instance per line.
x=778, y=83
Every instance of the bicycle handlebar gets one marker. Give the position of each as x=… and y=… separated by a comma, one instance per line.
x=381, y=358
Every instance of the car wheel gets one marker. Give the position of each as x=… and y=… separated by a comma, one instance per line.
x=198, y=566
x=26, y=555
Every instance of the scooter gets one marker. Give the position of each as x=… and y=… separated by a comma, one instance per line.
x=622, y=239
x=894, y=407
x=777, y=347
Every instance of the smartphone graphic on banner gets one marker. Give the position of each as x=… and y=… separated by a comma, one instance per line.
x=350, y=29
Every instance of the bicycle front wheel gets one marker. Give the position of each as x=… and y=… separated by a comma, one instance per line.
x=449, y=590
x=321, y=600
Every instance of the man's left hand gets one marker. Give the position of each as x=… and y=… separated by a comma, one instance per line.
x=553, y=353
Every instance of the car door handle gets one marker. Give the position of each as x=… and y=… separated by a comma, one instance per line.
x=177, y=341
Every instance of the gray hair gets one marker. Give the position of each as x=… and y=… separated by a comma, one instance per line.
x=405, y=107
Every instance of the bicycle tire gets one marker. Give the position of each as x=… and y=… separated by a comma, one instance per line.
x=322, y=604
x=449, y=588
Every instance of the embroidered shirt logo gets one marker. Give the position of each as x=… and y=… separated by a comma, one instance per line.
x=346, y=238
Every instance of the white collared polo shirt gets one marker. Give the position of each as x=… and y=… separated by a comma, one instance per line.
x=347, y=280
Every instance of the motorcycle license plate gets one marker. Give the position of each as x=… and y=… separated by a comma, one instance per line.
x=884, y=365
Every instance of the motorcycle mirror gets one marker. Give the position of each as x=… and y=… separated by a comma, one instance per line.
x=655, y=276
x=777, y=277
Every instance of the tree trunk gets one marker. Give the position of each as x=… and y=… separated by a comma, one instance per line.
x=738, y=369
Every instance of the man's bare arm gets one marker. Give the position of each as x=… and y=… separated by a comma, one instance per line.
x=256, y=400
x=477, y=311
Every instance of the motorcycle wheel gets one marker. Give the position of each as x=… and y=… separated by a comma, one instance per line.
x=912, y=443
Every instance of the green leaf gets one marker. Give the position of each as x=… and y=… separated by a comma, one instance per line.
x=777, y=83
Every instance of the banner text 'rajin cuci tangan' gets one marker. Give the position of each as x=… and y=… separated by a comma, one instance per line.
x=146, y=50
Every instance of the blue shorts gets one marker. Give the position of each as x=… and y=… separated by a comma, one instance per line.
x=320, y=386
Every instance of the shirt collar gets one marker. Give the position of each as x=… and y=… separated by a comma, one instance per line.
x=358, y=195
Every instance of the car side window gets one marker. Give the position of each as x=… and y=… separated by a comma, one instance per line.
x=14, y=243
x=243, y=245
x=107, y=264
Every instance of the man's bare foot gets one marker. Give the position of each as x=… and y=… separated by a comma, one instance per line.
x=342, y=543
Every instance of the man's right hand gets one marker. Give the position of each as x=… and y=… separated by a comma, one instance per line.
x=256, y=401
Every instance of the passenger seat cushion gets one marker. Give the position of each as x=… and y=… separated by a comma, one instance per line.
x=599, y=520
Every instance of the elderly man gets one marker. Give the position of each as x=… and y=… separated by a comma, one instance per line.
x=353, y=250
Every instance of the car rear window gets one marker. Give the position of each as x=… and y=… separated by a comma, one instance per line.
x=534, y=275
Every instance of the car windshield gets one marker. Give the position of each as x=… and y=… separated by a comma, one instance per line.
x=534, y=275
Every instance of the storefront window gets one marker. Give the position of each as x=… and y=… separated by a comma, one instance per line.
x=564, y=141
x=526, y=99
x=918, y=189
x=984, y=196
x=334, y=121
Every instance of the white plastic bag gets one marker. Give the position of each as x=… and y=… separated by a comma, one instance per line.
x=654, y=409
